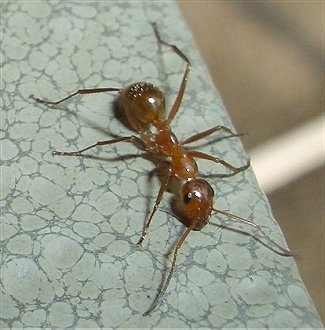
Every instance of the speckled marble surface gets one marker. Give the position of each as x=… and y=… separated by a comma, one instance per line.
x=69, y=224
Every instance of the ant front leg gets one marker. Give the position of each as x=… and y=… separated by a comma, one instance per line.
x=202, y=155
x=233, y=169
x=164, y=286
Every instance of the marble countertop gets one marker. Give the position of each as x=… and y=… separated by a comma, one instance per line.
x=69, y=225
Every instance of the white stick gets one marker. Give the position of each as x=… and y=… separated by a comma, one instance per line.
x=288, y=157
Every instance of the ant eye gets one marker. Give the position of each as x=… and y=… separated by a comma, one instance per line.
x=187, y=197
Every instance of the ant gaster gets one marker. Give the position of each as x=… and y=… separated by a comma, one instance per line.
x=144, y=106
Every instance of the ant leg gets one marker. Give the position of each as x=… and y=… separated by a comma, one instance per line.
x=180, y=94
x=163, y=187
x=202, y=155
x=275, y=246
x=171, y=271
x=210, y=131
x=80, y=91
x=131, y=138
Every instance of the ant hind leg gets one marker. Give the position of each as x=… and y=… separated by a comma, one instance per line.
x=131, y=139
x=78, y=92
x=182, y=87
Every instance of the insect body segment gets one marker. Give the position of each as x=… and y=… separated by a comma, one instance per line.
x=197, y=201
x=144, y=106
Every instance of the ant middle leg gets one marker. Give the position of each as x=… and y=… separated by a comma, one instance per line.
x=78, y=92
x=163, y=187
x=208, y=132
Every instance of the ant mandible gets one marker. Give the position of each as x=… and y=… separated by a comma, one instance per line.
x=144, y=106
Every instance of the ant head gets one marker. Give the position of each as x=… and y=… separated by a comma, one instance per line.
x=197, y=200
x=143, y=103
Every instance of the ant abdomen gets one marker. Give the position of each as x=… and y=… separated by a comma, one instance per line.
x=143, y=103
x=197, y=201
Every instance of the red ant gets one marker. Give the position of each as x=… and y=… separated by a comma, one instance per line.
x=144, y=106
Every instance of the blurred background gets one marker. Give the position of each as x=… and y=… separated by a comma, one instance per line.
x=266, y=58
